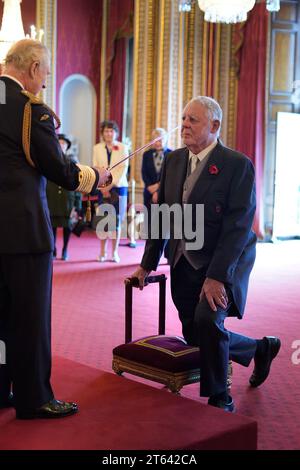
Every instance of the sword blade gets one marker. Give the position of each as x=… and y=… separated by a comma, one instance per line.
x=132, y=154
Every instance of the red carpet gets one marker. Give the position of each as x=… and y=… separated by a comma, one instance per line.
x=88, y=321
x=117, y=413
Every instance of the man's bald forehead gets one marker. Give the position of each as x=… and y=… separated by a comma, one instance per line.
x=194, y=108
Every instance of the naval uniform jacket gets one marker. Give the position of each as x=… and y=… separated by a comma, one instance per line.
x=26, y=226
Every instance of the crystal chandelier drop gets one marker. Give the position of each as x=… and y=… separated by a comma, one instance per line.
x=12, y=29
x=273, y=5
x=185, y=6
x=229, y=11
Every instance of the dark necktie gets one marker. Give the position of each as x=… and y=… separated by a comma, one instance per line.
x=158, y=159
x=108, y=155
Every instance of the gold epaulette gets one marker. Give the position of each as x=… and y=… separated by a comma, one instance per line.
x=26, y=135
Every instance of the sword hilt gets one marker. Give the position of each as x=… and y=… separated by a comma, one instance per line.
x=108, y=181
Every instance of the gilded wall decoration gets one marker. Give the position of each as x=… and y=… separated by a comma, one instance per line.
x=178, y=56
x=46, y=20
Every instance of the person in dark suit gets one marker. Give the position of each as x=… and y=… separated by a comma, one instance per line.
x=29, y=155
x=152, y=165
x=151, y=172
x=209, y=276
x=63, y=205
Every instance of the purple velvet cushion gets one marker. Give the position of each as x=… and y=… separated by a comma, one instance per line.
x=169, y=353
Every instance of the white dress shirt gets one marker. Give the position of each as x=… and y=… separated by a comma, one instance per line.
x=194, y=159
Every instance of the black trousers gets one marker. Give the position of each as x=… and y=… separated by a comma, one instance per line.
x=203, y=327
x=66, y=236
x=25, y=328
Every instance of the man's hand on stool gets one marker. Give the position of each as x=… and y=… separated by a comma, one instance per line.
x=140, y=274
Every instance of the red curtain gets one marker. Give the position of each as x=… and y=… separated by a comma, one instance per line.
x=250, y=132
x=117, y=83
x=120, y=28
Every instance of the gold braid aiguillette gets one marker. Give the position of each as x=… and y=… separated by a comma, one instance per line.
x=27, y=117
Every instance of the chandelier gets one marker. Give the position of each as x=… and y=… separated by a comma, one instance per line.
x=229, y=11
x=273, y=5
x=12, y=29
x=226, y=11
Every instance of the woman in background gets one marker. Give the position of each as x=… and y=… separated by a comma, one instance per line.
x=106, y=154
x=62, y=204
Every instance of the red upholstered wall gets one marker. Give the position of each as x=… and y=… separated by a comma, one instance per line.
x=79, y=42
x=28, y=9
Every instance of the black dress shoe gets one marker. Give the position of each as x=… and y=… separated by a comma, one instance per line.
x=224, y=405
x=262, y=362
x=7, y=402
x=52, y=409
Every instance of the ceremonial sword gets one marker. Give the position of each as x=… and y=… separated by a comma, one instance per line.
x=128, y=157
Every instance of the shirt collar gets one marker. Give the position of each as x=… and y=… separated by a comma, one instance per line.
x=14, y=79
x=204, y=152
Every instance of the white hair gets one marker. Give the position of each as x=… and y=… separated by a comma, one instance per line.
x=24, y=52
x=163, y=133
x=213, y=108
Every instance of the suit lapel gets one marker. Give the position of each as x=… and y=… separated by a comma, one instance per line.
x=103, y=154
x=116, y=154
x=151, y=164
x=207, y=177
x=179, y=171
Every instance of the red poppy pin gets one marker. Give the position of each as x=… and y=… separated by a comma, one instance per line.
x=115, y=147
x=213, y=169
